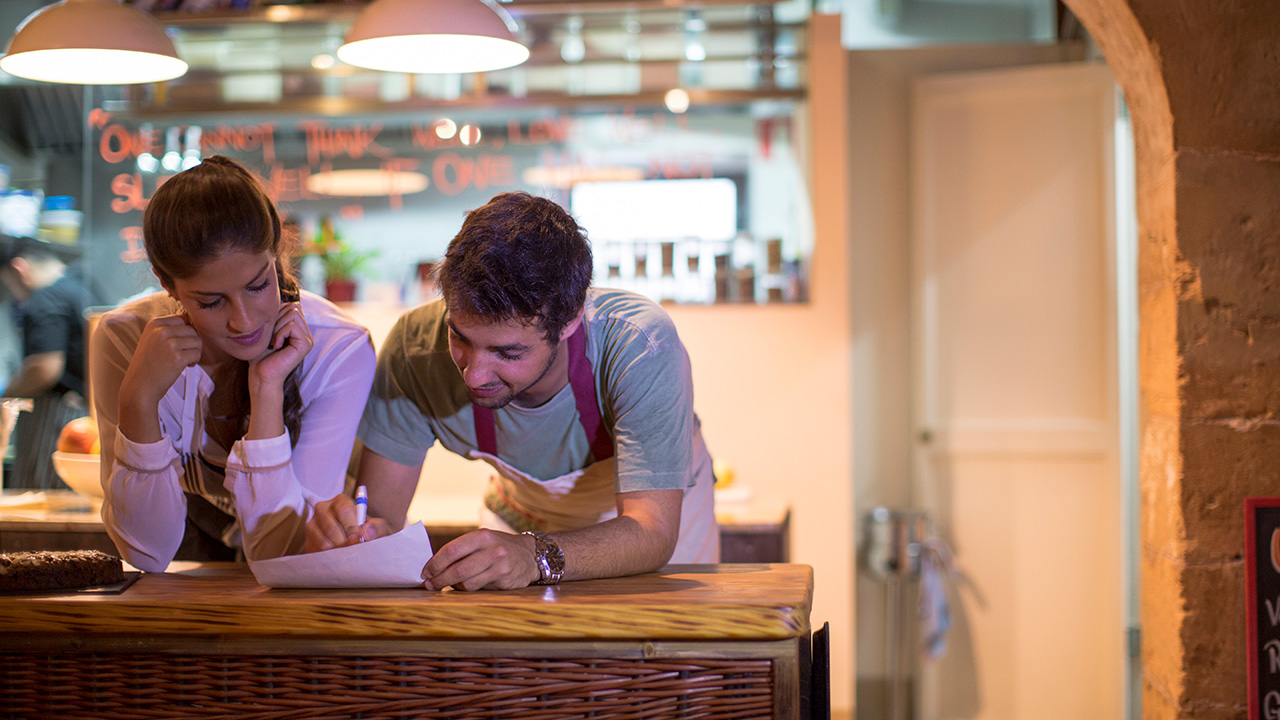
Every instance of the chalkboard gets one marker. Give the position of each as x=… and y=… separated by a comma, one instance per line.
x=525, y=150
x=1262, y=580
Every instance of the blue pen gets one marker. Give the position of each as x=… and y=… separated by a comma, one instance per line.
x=362, y=505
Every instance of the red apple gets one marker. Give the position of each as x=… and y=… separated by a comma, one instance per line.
x=79, y=436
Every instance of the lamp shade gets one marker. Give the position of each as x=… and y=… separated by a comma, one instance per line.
x=92, y=42
x=433, y=36
x=366, y=183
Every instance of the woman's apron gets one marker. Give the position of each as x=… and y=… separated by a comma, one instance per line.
x=212, y=532
x=516, y=502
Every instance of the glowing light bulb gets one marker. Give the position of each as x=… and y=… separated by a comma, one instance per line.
x=446, y=128
x=676, y=100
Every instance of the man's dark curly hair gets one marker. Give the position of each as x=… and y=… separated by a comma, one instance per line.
x=518, y=257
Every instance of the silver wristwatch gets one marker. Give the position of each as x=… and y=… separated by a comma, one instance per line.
x=549, y=557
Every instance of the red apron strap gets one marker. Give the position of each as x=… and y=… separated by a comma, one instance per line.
x=582, y=380
x=486, y=430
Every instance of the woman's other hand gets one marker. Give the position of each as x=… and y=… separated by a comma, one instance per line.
x=334, y=525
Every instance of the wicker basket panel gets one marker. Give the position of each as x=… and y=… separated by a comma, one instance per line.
x=124, y=685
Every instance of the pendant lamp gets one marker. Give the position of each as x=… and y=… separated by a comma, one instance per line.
x=433, y=36
x=92, y=42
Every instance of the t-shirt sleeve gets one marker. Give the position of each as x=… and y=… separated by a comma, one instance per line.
x=393, y=425
x=648, y=385
x=46, y=324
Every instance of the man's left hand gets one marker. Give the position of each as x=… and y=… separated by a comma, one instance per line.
x=483, y=560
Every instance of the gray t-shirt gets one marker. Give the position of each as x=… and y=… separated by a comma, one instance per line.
x=643, y=381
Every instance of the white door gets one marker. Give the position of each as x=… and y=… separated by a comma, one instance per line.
x=1017, y=461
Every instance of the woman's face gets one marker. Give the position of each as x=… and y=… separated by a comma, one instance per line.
x=233, y=303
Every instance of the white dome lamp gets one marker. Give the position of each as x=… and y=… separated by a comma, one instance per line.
x=433, y=36
x=92, y=42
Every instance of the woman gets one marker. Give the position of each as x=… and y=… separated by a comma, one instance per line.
x=227, y=403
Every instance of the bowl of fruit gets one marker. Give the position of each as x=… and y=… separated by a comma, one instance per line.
x=76, y=457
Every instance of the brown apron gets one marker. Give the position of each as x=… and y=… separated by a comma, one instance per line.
x=516, y=501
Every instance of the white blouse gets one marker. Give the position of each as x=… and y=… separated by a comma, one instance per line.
x=269, y=487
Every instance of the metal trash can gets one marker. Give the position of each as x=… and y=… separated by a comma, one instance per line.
x=891, y=552
x=891, y=548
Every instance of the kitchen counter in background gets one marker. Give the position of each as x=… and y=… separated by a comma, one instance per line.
x=751, y=530
x=51, y=520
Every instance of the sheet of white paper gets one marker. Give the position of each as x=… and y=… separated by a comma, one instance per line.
x=394, y=561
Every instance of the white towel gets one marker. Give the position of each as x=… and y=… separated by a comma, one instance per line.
x=937, y=565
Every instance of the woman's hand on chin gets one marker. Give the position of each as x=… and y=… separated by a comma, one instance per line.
x=290, y=342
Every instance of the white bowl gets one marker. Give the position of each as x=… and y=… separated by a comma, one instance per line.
x=80, y=472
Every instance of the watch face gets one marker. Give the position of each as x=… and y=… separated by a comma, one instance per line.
x=555, y=561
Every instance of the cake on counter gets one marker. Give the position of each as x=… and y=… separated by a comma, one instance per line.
x=58, y=570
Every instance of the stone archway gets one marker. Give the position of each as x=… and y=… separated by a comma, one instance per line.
x=1202, y=81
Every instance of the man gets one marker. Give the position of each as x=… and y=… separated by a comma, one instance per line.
x=52, y=373
x=580, y=398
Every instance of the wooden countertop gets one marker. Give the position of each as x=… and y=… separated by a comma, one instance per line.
x=220, y=600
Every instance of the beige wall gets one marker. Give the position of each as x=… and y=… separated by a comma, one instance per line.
x=773, y=382
x=811, y=404
x=880, y=332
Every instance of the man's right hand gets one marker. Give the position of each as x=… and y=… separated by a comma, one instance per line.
x=334, y=525
x=483, y=560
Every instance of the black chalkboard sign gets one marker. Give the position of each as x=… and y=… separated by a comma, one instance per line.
x=1262, y=581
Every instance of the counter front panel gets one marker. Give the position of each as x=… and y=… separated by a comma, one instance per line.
x=707, y=641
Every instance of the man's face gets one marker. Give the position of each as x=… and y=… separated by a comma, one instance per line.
x=505, y=361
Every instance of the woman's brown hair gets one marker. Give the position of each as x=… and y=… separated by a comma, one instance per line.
x=206, y=211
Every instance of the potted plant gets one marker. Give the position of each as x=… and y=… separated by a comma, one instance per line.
x=343, y=265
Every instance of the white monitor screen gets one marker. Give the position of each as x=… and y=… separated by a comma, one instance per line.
x=657, y=209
